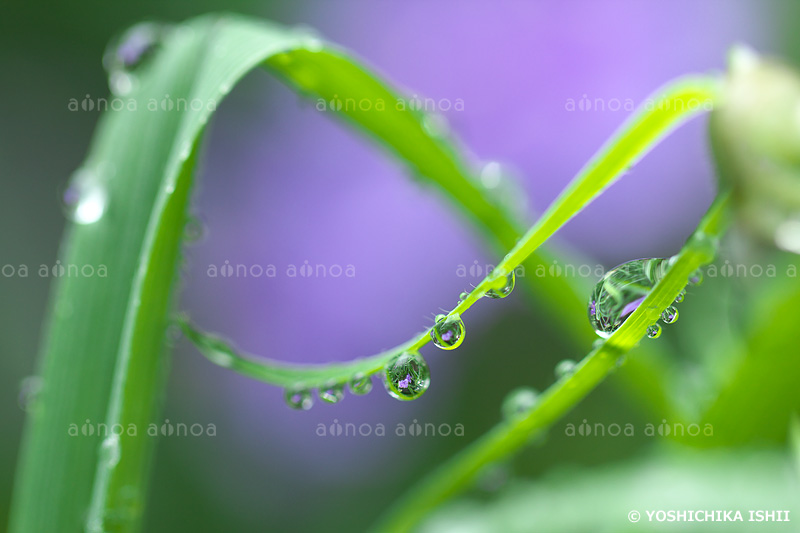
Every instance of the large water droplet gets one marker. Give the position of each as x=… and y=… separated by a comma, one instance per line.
x=125, y=54
x=519, y=402
x=620, y=292
x=407, y=376
x=654, y=331
x=84, y=201
x=669, y=315
x=448, y=332
x=696, y=278
x=565, y=368
x=360, y=384
x=299, y=398
x=502, y=286
x=332, y=393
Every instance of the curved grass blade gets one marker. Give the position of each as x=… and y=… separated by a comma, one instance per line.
x=509, y=436
x=645, y=128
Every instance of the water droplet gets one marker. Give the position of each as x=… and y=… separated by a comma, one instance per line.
x=435, y=125
x=493, y=477
x=620, y=292
x=110, y=450
x=519, y=402
x=681, y=296
x=502, y=286
x=565, y=368
x=332, y=393
x=126, y=53
x=360, y=384
x=406, y=376
x=503, y=185
x=463, y=296
x=654, y=331
x=669, y=315
x=491, y=175
x=84, y=200
x=696, y=278
x=29, y=389
x=299, y=398
x=194, y=230
x=787, y=235
x=174, y=333
x=448, y=332
x=185, y=151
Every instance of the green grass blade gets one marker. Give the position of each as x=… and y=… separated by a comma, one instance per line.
x=676, y=104
x=509, y=436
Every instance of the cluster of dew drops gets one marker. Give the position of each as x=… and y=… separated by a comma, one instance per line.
x=616, y=296
x=406, y=376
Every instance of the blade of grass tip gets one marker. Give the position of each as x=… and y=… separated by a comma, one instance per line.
x=509, y=436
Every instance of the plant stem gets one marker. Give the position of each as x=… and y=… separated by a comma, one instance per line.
x=676, y=103
x=511, y=435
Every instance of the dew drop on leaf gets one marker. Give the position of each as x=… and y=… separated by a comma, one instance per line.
x=332, y=393
x=110, y=450
x=696, y=278
x=565, y=368
x=174, y=334
x=406, y=376
x=84, y=201
x=681, y=296
x=518, y=402
x=360, y=384
x=299, y=398
x=126, y=53
x=463, y=296
x=29, y=389
x=194, y=230
x=620, y=292
x=654, y=331
x=502, y=286
x=448, y=332
x=669, y=315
